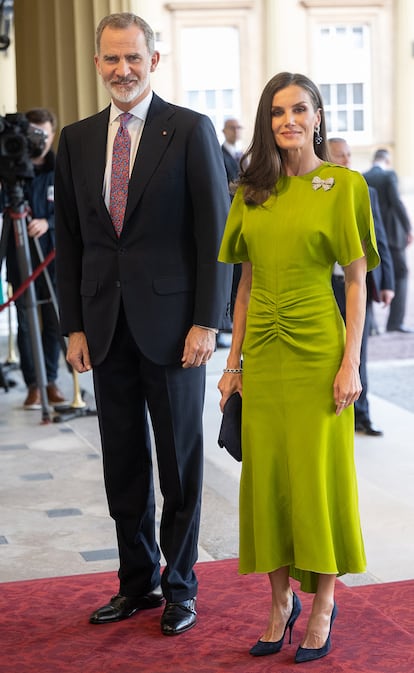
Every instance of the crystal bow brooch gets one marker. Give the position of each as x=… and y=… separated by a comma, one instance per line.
x=326, y=184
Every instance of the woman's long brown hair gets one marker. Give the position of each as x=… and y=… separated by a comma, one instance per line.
x=262, y=162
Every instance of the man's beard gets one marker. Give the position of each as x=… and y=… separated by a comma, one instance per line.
x=125, y=95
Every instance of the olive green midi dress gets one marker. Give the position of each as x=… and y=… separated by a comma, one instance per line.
x=298, y=488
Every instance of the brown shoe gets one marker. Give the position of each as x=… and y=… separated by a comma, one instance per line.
x=55, y=396
x=32, y=400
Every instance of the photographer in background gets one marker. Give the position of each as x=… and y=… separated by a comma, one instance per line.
x=39, y=193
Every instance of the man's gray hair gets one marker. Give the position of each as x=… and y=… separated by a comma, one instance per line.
x=381, y=155
x=125, y=20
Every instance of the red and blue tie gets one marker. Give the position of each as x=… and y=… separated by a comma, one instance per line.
x=120, y=173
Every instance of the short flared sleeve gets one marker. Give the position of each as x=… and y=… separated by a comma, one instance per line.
x=355, y=229
x=233, y=247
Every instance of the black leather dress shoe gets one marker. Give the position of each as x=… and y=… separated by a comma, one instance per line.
x=122, y=607
x=401, y=328
x=367, y=428
x=178, y=617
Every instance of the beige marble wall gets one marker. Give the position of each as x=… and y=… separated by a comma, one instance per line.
x=54, y=46
x=54, y=57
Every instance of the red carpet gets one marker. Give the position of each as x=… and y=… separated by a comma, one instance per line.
x=44, y=629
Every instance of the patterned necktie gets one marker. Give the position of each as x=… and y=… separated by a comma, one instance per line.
x=120, y=173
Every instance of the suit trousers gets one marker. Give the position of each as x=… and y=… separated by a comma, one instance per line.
x=127, y=386
x=362, y=414
x=398, y=304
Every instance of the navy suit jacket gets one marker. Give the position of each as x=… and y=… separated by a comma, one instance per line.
x=382, y=277
x=164, y=265
x=394, y=214
x=231, y=165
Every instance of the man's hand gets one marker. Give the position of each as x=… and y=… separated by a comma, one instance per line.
x=386, y=297
x=199, y=347
x=37, y=227
x=78, y=352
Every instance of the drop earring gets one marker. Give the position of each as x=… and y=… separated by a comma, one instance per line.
x=318, y=137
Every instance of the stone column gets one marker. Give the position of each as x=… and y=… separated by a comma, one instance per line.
x=284, y=40
x=404, y=93
x=8, y=79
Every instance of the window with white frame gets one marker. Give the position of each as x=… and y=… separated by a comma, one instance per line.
x=343, y=67
x=210, y=76
x=344, y=106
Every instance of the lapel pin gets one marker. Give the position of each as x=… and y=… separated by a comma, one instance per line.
x=164, y=133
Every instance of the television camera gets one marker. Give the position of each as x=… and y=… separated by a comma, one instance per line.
x=20, y=142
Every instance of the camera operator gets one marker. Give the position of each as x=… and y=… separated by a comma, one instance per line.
x=39, y=193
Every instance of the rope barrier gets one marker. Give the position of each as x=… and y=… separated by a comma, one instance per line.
x=23, y=287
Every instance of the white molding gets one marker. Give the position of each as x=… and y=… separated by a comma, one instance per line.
x=206, y=5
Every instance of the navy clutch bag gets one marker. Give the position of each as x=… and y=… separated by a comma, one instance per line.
x=230, y=429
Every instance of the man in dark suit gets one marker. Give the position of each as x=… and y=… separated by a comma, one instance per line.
x=231, y=154
x=398, y=229
x=380, y=288
x=141, y=306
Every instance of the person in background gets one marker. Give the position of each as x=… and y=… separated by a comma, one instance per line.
x=399, y=233
x=380, y=288
x=141, y=203
x=231, y=154
x=231, y=148
x=293, y=215
x=39, y=192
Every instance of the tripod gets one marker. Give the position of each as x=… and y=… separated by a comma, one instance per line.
x=16, y=217
x=78, y=407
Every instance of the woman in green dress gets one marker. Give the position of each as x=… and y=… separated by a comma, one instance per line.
x=294, y=214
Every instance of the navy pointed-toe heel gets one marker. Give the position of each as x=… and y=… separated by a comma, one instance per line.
x=310, y=654
x=271, y=647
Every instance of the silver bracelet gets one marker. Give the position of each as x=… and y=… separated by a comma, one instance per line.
x=232, y=371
